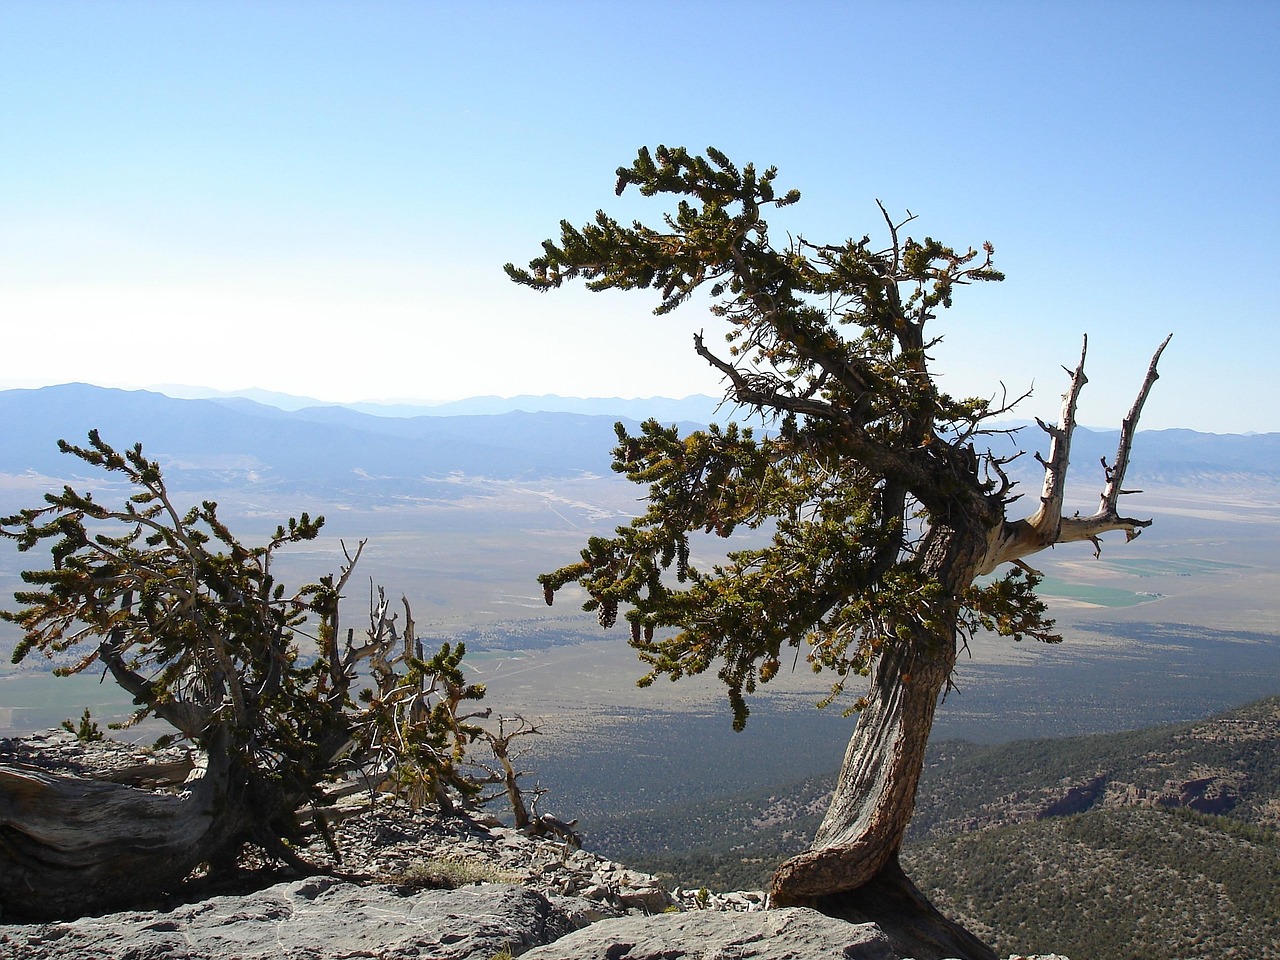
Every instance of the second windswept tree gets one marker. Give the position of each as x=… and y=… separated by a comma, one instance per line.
x=275, y=698
x=887, y=518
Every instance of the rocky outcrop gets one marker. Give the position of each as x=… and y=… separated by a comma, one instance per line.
x=1077, y=799
x=1216, y=795
x=322, y=918
x=791, y=933
x=425, y=847
x=319, y=917
x=512, y=892
x=531, y=896
x=507, y=891
x=1216, y=792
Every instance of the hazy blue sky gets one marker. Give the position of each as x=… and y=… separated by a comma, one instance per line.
x=318, y=198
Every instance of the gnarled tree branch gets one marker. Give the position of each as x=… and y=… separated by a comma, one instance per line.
x=1017, y=539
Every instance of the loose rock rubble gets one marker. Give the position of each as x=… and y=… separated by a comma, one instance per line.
x=59, y=751
x=391, y=840
x=395, y=843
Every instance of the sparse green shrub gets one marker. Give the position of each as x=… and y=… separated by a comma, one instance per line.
x=86, y=731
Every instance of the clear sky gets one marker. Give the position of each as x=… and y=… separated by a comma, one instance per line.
x=318, y=198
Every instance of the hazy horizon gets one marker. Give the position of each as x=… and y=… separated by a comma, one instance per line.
x=709, y=402
x=319, y=200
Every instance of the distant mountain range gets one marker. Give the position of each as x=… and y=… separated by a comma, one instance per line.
x=324, y=450
x=343, y=451
x=697, y=408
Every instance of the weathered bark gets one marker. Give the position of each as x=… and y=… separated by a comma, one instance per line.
x=852, y=868
x=852, y=871
x=499, y=742
x=1011, y=541
x=875, y=792
x=72, y=845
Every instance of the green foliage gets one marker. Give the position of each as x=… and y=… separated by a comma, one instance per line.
x=184, y=616
x=1010, y=607
x=414, y=728
x=192, y=622
x=86, y=731
x=867, y=459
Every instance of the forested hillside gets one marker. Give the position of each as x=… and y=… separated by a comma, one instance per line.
x=1146, y=884
x=1227, y=765
x=1151, y=843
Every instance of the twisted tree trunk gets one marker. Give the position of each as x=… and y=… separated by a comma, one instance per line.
x=73, y=845
x=851, y=870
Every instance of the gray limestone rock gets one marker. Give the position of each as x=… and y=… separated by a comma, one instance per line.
x=314, y=919
x=793, y=933
x=538, y=890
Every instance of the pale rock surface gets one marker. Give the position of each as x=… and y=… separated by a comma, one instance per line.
x=539, y=893
x=314, y=919
x=792, y=933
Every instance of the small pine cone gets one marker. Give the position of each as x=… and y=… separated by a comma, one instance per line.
x=648, y=631
x=548, y=594
x=635, y=631
x=608, y=614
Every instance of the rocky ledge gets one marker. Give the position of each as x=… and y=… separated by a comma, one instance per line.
x=516, y=895
x=432, y=887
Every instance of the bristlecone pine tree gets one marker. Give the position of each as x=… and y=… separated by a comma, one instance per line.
x=194, y=624
x=887, y=518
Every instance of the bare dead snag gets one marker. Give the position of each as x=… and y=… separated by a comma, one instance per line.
x=72, y=843
x=508, y=776
x=547, y=825
x=1013, y=541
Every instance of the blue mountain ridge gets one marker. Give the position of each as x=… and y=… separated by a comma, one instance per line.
x=336, y=449
x=322, y=449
